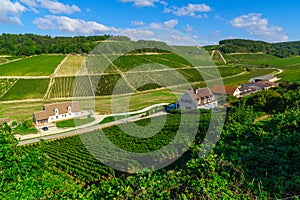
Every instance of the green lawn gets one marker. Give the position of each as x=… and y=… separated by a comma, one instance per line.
x=23, y=130
x=74, y=122
x=42, y=65
x=27, y=89
x=111, y=119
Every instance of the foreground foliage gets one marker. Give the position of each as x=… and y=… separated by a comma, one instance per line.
x=250, y=161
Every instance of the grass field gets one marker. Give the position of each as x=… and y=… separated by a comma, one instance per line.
x=42, y=65
x=71, y=65
x=27, y=89
x=291, y=73
x=278, y=62
x=23, y=130
x=24, y=110
x=291, y=67
x=244, y=78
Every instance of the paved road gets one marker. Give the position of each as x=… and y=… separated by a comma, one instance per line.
x=92, y=128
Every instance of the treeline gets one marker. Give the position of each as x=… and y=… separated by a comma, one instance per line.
x=284, y=49
x=31, y=44
x=130, y=47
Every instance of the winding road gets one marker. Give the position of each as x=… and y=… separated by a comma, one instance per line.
x=83, y=130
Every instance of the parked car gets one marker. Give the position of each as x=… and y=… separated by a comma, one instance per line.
x=170, y=107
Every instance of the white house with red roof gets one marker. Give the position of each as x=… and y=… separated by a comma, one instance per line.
x=57, y=112
x=201, y=98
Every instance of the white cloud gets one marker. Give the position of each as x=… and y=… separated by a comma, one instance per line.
x=57, y=7
x=192, y=10
x=138, y=23
x=53, y=6
x=79, y=26
x=167, y=24
x=10, y=12
x=141, y=3
x=70, y=25
x=258, y=26
x=188, y=28
x=137, y=34
x=31, y=3
x=217, y=32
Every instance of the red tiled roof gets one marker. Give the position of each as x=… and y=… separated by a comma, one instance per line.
x=200, y=93
x=49, y=109
x=226, y=90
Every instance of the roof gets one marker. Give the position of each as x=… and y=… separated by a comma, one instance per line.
x=49, y=109
x=248, y=89
x=4, y=120
x=266, y=84
x=220, y=89
x=200, y=93
x=265, y=77
x=203, y=92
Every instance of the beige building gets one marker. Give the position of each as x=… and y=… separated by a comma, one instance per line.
x=57, y=112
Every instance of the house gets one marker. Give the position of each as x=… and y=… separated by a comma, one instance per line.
x=220, y=90
x=265, y=85
x=248, y=89
x=201, y=98
x=57, y=112
x=269, y=78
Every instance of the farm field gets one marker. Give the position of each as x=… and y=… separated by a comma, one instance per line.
x=139, y=100
x=291, y=73
x=42, y=65
x=71, y=65
x=69, y=155
x=5, y=85
x=246, y=58
x=278, y=62
x=291, y=67
x=72, y=155
x=64, y=87
x=243, y=78
x=27, y=89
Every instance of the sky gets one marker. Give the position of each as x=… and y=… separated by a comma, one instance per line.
x=205, y=21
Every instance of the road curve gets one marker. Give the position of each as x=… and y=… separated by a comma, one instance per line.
x=93, y=128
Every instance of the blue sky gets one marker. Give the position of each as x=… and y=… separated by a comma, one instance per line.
x=206, y=21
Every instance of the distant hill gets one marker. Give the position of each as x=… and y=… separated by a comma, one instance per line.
x=284, y=49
